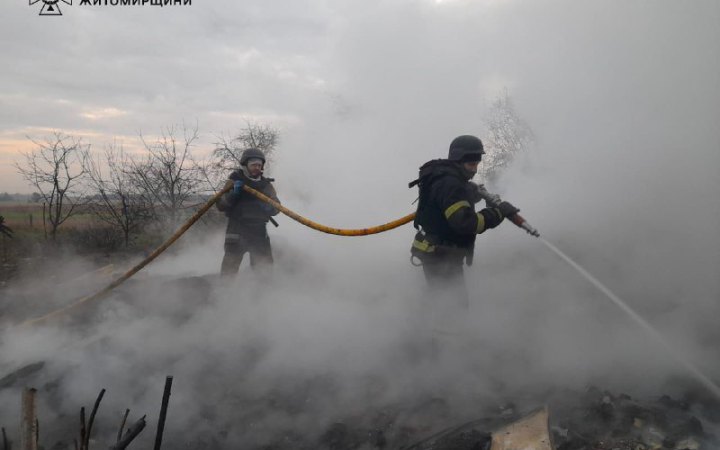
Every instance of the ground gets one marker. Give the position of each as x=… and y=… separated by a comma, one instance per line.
x=246, y=402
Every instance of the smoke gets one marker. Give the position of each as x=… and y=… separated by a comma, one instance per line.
x=624, y=100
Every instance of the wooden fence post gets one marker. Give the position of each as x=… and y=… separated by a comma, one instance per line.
x=28, y=430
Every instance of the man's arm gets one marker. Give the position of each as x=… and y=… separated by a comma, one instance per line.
x=270, y=192
x=228, y=199
x=459, y=212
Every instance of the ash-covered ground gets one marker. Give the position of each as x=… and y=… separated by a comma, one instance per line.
x=333, y=352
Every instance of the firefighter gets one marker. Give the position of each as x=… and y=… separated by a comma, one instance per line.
x=247, y=215
x=447, y=220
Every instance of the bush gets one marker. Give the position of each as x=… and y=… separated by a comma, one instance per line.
x=94, y=238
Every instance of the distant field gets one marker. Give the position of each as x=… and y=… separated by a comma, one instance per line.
x=17, y=215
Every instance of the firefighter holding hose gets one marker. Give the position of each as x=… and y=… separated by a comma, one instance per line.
x=447, y=221
x=247, y=215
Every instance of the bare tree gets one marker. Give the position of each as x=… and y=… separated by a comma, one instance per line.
x=168, y=176
x=55, y=169
x=116, y=200
x=228, y=151
x=253, y=135
x=507, y=136
x=212, y=176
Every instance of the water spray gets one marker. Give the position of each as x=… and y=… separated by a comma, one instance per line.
x=699, y=376
x=493, y=200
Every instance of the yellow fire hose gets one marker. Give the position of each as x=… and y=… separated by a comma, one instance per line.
x=195, y=217
x=330, y=230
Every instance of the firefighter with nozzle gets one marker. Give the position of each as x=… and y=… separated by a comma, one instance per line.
x=247, y=215
x=447, y=220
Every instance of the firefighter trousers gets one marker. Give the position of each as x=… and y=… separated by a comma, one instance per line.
x=254, y=242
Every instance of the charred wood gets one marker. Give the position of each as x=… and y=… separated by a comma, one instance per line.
x=122, y=425
x=131, y=434
x=163, y=413
x=86, y=443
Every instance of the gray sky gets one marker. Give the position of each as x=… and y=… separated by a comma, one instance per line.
x=624, y=97
x=397, y=78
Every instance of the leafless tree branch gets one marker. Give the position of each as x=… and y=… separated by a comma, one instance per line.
x=55, y=169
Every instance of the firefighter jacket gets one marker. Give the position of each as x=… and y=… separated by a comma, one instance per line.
x=446, y=215
x=244, y=210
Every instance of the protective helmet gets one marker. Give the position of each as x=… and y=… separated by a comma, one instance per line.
x=466, y=148
x=249, y=154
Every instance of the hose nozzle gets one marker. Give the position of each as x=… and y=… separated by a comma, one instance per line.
x=494, y=200
x=520, y=221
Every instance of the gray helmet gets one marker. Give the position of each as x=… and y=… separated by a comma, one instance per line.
x=251, y=153
x=466, y=148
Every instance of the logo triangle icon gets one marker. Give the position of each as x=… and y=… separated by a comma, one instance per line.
x=50, y=10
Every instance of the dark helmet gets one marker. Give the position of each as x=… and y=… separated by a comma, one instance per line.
x=251, y=153
x=466, y=148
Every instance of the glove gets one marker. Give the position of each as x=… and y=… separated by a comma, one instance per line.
x=237, y=186
x=507, y=210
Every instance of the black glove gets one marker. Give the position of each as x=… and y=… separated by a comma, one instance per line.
x=507, y=210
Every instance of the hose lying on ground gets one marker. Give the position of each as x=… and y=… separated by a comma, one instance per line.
x=191, y=221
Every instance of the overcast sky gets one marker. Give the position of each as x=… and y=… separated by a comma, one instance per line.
x=400, y=77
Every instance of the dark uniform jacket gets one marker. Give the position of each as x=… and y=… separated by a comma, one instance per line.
x=446, y=212
x=244, y=210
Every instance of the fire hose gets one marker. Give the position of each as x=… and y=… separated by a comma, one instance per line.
x=330, y=230
x=491, y=199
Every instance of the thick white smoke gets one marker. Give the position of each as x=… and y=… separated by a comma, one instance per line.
x=624, y=101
